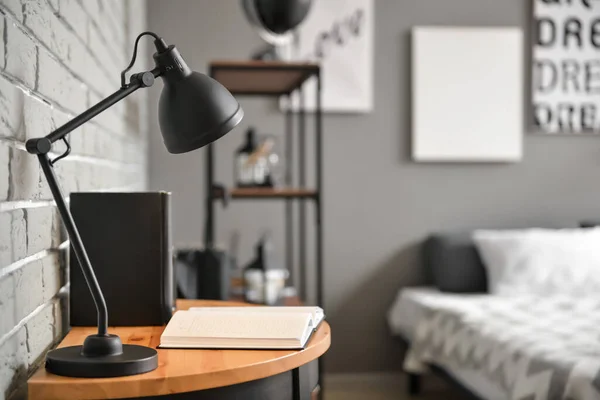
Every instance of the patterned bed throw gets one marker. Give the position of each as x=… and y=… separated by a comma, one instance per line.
x=533, y=347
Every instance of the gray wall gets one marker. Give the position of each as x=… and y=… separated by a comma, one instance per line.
x=57, y=58
x=378, y=204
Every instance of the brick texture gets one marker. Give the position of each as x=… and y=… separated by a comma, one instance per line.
x=2, y=26
x=20, y=56
x=57, y=58
x=11, y=104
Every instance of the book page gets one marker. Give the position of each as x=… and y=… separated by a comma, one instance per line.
x=237, y=325
x=316, y=312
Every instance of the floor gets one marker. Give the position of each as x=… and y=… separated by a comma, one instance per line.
x=386, y=388
x=378, y=394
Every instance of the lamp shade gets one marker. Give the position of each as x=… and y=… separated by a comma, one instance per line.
x=194, y=109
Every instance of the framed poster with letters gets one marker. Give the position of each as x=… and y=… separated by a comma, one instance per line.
x=566, y=66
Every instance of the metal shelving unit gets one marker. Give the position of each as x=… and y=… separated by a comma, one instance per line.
x=276, y=79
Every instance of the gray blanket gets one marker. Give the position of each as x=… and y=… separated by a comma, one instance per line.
x=532, y=347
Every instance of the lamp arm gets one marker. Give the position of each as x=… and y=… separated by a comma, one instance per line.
x=76, y=243
x=96, y=109
x=41, y=147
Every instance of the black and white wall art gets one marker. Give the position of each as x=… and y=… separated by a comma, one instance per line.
x=338, y=34
x=566, y=66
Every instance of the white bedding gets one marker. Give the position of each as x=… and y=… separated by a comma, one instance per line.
x=522, y=347
x=408, y=309
x=545, y=262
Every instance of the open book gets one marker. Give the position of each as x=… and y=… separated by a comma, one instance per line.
x=242, y=328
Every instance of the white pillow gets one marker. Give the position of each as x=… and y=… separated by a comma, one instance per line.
x=541, y=261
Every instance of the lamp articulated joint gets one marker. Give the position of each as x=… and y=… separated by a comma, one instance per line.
x=38, y=146
x=144, y=79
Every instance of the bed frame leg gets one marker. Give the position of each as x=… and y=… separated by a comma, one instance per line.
x=414, y=384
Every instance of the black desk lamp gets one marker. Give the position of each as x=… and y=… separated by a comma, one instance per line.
x=194, y=110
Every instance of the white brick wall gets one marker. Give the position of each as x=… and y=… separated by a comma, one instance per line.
x=57, y=57
x=20, y=55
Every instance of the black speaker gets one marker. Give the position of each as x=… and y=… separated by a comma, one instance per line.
x=128, y=239
x=203, y=274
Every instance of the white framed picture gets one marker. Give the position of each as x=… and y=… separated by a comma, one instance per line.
x=467, y=94
x=566, y=66
x=338, y=34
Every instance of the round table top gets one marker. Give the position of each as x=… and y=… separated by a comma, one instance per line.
x=178, y=370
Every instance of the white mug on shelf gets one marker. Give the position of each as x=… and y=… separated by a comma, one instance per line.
x=255, y=285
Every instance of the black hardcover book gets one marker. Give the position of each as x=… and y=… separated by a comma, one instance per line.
x=128, y=239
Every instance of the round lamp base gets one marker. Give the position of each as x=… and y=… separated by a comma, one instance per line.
x=68, y=361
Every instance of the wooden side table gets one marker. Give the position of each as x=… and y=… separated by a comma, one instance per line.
x=184, y=374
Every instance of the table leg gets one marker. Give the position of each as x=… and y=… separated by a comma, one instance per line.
x=301, y=383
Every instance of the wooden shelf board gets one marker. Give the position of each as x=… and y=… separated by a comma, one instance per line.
x=261, y=77
x=268, y=193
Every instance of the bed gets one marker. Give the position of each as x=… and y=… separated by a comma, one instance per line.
x=410, y=307
x=531, y=344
